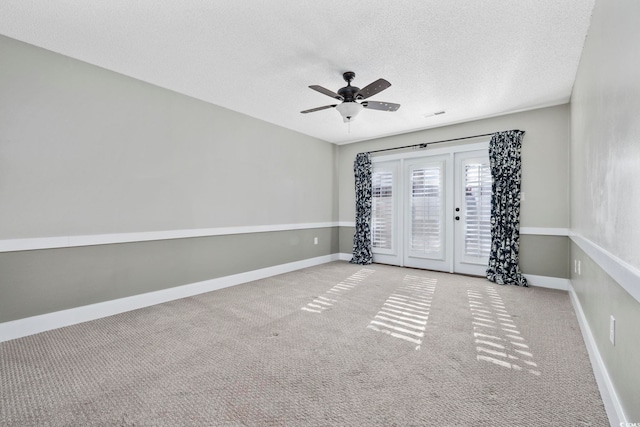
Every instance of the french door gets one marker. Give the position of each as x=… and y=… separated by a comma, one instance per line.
x=426, y=223
x=433, y=212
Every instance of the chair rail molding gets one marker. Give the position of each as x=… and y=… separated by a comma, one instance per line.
x=29, y=244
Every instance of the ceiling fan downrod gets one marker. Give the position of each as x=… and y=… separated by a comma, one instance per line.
x=348, y=92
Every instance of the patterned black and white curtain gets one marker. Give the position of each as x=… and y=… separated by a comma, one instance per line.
x=506, y=165
x=362, y=253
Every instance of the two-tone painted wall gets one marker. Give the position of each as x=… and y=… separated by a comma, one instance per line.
x=111, y=188
x=544, y=217
x=605, y=198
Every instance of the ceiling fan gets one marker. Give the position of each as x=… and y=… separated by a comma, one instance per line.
x=349, y=95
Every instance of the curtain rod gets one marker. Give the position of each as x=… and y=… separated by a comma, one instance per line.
x=425, y=144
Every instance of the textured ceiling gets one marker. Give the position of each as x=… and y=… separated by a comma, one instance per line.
x=470, y=58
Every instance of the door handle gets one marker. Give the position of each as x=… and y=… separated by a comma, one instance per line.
x=457, y=218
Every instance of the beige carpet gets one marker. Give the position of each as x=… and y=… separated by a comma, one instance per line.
x=336, y=344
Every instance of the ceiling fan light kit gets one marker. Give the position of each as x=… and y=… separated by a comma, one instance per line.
x=349, y=110
x=350, y=95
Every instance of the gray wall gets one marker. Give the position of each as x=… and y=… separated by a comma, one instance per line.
x=43, y=281
x=545, y=179
x=87, y=151
x=605, y=185
x=601, y=296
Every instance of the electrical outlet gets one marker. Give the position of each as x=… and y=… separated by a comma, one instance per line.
x=315, y=240
x=612, y=330
x=579, y=272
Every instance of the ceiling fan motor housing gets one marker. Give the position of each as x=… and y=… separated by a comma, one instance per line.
x=348, y=93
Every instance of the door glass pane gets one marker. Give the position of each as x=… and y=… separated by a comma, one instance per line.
x=477, y=200
x=427, y=210
x=382, y=210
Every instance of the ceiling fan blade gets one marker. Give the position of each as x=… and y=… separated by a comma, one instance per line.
x=326, y=92
x=370, y=90
x=318, y=109
x=378, y=105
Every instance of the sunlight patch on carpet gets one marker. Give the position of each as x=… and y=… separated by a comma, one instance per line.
x=405, y=313
x=496, y=335
x=321, y=303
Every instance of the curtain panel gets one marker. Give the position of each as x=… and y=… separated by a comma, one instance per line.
x=506, y=173
x=362, y=250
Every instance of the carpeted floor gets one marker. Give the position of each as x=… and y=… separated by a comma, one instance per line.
x=337, y=344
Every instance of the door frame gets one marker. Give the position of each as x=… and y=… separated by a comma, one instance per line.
x=397, y=256
x=416, y=259
x=462, y=263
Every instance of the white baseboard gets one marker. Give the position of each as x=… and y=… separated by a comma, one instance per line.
x=608, y=393
x=548, y=282
x=344, y=257
x=540, y=281
x=46, y=322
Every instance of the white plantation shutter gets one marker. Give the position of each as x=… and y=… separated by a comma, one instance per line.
x=382, y=210
x=433, y=211
x=427, y=226
x=477, y=201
